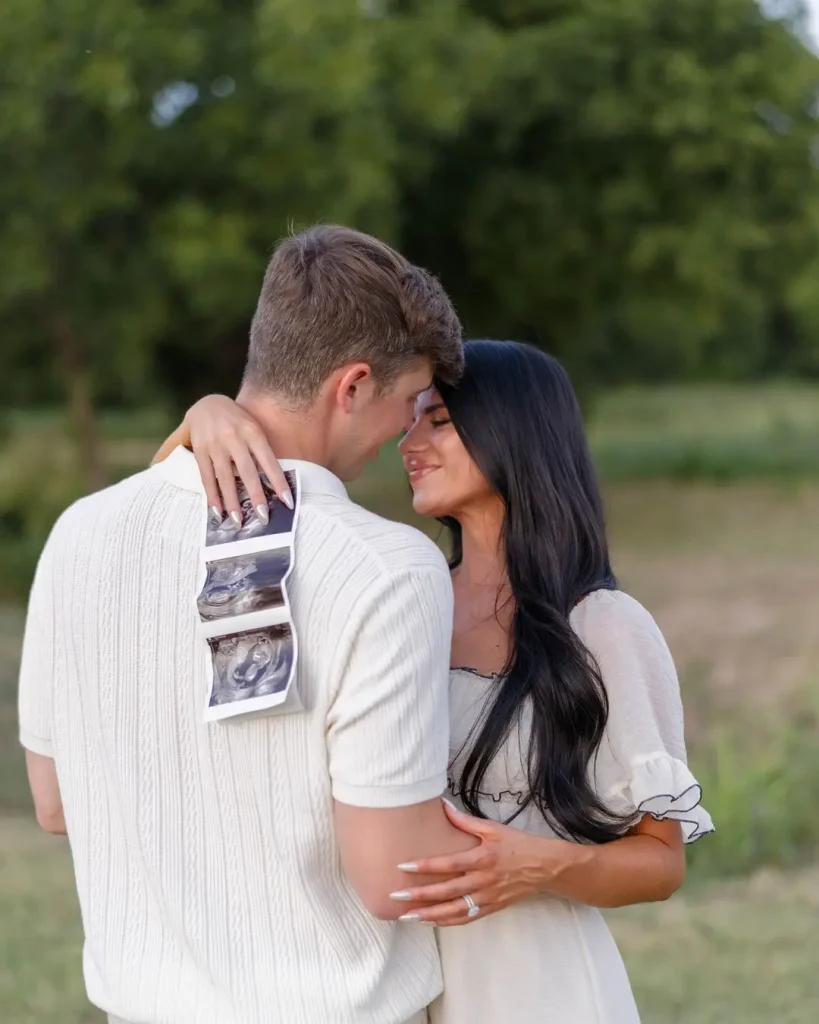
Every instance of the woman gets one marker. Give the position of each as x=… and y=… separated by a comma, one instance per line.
x=567, y=749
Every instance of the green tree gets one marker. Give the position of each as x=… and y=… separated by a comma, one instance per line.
x=632, y=188
x=152, y=153
x=627, y=181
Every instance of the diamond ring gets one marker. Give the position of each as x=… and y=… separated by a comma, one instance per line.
x=472, y=907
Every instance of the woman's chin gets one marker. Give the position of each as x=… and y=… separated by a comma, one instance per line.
x=426, y=504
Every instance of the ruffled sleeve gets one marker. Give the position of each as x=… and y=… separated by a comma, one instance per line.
x=641, y=766
x=663, y=787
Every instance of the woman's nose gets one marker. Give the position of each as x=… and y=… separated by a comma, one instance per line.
x=410, y=442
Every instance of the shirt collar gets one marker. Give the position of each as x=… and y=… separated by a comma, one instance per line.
x=181, y=469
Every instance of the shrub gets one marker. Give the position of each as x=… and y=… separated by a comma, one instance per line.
x=760, y=786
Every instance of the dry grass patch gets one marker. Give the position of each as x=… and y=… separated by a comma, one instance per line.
x=740, y=952
x=731, y=575
x=40, y=938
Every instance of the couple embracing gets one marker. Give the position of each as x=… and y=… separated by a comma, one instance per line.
x=493, y=746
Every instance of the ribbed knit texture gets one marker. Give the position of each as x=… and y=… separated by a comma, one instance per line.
x=208, y=877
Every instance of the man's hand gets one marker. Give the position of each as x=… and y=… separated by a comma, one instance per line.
x=45, y=791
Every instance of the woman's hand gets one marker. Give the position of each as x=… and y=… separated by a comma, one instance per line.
x=228, y=442
x=508, y=866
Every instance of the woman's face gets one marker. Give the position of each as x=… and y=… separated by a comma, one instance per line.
x=443, y=477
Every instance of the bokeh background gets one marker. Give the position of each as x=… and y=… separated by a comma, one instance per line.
x=632, y=184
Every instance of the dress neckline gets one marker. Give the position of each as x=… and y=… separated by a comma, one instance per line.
x=474, y=672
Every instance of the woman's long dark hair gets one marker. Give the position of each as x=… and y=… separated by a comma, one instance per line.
x=516, y=412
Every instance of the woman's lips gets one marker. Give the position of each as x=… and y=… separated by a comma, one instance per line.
x=419, y=472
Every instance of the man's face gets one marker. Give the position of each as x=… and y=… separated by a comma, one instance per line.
x=376, y=419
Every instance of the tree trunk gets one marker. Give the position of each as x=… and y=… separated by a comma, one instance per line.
x=82, y=421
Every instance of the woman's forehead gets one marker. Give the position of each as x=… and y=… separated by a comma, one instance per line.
x=426, y=399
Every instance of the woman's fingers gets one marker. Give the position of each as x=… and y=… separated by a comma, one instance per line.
x=228, y=441
x=248, y=472
x=456, y=920
x=482, y=827
x=442, y=892
x=453, y=912
x=453, y=864
x=220, y=464
x=214, y=495
x=269, y=464
x=226, y=476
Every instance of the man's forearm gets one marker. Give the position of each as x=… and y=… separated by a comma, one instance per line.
x=45, y=793
x=374, y=842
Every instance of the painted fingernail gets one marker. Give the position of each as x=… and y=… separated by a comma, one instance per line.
x=237, y=520
x=408, y=867
x=287, y=498
x=263, y=512
x=449, y=803
x=402, y=895
x=216, y=514
x=410, y=917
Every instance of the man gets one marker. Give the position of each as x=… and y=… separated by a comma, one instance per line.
x=239, y=873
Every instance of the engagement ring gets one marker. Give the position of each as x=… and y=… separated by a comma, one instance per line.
x=473, y=908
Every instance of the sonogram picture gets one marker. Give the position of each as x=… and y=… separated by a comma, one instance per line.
x=244, y=612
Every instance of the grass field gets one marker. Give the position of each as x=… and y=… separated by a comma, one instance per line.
x=729, y=567
x=707, y=432
x=740, y=952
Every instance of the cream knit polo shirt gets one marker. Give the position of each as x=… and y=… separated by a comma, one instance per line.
x=206, y=865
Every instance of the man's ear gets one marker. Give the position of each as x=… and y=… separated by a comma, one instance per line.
x=355, y=386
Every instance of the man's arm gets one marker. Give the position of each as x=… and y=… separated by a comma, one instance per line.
x=35, y=697
x=374, y=842
x=388, y=736
x=45, y=792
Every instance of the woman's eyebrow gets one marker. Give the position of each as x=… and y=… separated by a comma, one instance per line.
x=434, y=408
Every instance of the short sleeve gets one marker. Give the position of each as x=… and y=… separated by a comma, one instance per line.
x=37, y=662
x=641, y=766
x=388, y=724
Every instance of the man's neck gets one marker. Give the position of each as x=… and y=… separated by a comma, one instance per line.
x=291, y=433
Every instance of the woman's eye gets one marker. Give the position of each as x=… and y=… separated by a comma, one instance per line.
x=440, y=423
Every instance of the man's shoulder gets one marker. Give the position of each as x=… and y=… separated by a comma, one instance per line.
x=389, y=548
x=96, y=507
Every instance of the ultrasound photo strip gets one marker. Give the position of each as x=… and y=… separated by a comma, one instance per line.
x=244, y=583
x=223, y=539
x=249, y=588
x=244, y=610
x=250, y=669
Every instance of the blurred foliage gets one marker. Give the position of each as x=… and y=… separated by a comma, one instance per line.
x=152, y=153
x=702, y=432
x=38, y=478
x=722, y=433
x=760, y=790
x=632, y=183
x=637, y=186
x=40, y=475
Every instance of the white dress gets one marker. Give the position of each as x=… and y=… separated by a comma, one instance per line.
x=549, y=960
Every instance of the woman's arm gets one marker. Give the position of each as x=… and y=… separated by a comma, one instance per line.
x=644, y=866
x=510, y=865
x=228, y=442
x=181, y=437
x=641, y=767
